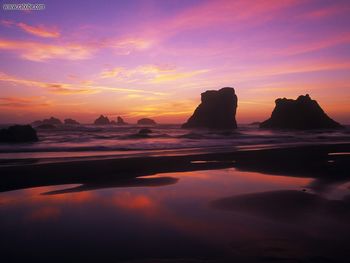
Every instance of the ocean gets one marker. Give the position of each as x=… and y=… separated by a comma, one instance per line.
x=125, y=141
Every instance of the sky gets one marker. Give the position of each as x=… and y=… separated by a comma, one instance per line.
x=135, y=59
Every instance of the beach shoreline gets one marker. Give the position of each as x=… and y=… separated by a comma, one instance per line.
x=327, y=162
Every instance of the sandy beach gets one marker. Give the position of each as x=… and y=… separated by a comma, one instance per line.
x=269, y=205
x=326, y=163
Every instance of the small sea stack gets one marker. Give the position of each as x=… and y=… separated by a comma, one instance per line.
x=18, y=133
x=216, y=111
x=102, y=120
x=146, y=121
x=120, y=121
x=53, y=121
x=303, y=113
x=71, y=122
x=50, y=121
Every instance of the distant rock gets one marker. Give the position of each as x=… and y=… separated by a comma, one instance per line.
x=36, y=123
x=102, y=120
x=216, y=111
x=46, y=127
x=113, y=122
x=53, y=121
x=146, y=121
x=120, y=121
x=145, y=131
x=71, y=122
x=18, y=133
x=302, y=113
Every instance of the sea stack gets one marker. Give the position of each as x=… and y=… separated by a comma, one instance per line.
x=18, y=133
x=71, y=122
x=102, y=120
x=53, y=121
x=146, y=121
x=120, y=121
x=216, y=111
x=302, y=114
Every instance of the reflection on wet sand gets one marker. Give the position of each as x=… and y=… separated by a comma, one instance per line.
x=304, y=161
x=198, y=214
x=132, y=182
x=287, y=205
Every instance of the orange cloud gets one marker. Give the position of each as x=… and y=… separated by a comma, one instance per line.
x=40, y=30
x=125, y=46
x=36, y=51
x=68, y=89
x=24, y=102
x=150, y=73
x=59, y=88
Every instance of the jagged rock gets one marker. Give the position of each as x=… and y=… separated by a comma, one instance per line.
x=302, y=113
x=53, y=121
x=216, y=111
x=71, y=122
x=145, y=131
x=120, y=121
x=146, y=121
x=46, y=126
x=18, y=133
x=102, y=120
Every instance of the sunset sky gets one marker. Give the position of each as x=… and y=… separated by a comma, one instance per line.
x=134, y=59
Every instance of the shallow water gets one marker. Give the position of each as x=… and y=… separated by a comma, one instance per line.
x=91, y=140
x=178, y=217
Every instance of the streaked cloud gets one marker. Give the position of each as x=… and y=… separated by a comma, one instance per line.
x=125, y=46
x=326, y=12
x=24, y=102
x=37, y=51
x=151, y=73
x=39, y=30
x=70, y=88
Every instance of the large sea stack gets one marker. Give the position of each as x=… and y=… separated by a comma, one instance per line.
x=216, y=111
x=302, y=114
x=18, y=133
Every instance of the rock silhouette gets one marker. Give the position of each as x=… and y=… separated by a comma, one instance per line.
x=145, y=131
x=216, y=111
x=146, y=121
x=46, y=127
x=302, y=113
x=71, y=122
x=37, y=123
x=102, y=120
x=120, y=121
x=18, y=133
x=53, y=121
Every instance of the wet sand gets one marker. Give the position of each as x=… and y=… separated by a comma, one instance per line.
x=269, y=205
x=327, y=163
x=219, y=215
